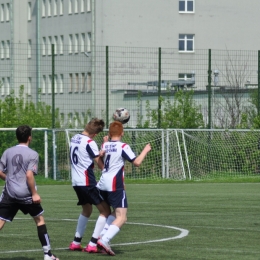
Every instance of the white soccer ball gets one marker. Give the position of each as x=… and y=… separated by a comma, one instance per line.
x=122, y=115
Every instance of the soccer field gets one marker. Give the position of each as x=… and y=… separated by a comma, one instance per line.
x=165, y=221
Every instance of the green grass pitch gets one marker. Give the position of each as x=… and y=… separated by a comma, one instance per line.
x=222, y=221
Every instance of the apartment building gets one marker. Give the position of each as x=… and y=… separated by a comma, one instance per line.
x=80, y=30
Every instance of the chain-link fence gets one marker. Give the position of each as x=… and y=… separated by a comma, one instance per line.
x=79, y=85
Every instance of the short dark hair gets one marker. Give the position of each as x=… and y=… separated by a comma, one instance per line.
x=95, y=126
x=23, y=132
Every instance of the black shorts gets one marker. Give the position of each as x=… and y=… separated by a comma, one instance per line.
x=90, y=195
x=116, y=199
x=10, y=206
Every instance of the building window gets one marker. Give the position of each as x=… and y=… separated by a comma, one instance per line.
x=49, y=84
x=49, y=45
x=61, y=83
x=82, y=6
x=186, y=6
x=71, y=83
x=43, y=8
x=76, y=6
x=43, y=46
x=83, y=82
x=55, y=45
x=29, y=86
x=55, y=6
x=70, y=43
x=89, y=82
x=2, y=13
x=8, y=86
x=2, y=85
x=29, y=10
x=61, y=44
x=70, y=6
x=186, y=42
x=29, y=49
x=88, y=6
x=76, y=44
x=7, y=12
x=82, y=42
x=89, y=42
x=55, y=83
x=76, y=82
x=43, y=90
x=2, y=49
x=61, y=7
x=8, y=49
x=49, y=8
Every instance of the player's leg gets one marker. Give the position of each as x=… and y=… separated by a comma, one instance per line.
x=109, y=221
x=81, y=227
x=2, y=223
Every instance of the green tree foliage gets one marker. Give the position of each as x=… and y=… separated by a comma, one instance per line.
x=182, y=112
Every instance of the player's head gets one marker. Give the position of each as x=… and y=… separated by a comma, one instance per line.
x=23, y=133
x=94, y=126
x=116, y=129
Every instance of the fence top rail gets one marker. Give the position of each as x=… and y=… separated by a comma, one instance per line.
x=4, y=129
x=215, y=130
x=125, y=129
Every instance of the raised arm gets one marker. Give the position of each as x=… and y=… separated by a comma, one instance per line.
x=138, y=160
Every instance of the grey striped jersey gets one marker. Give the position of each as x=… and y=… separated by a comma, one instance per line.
x=15, y=162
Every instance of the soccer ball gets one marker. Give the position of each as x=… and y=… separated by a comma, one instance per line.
x=122, y=115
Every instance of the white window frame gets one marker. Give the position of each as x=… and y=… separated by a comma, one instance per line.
x=89, y=42
x=82, y=42
x=3, y=87
x=71, y=82
x=29, y=53
x=88, y=6
x=76, y=90
x=55, y=45
x=89, y=82
x=7, y=17
x=76, y=6
x=76, y=43
x=55, y=8
x=49, y=84
x=8, y=83
x=49, y=8
x=70, y=7
x=70, y=43
x=29, y=86
x=55, y=83
x=186, y=6
x=44, y=8
x=29, y=11
x=43, y=90
x=61, y=83
x=49, y=45
x=61, y=7
x=8, y=49
x=82, y=6
x=61, y=44
x=2, y=13
x=83, y=82
x=185, y=38
x=43, y=46
x=2, y=50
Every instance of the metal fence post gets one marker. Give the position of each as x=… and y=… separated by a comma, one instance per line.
x=52, y=84
x=209, y=91
x=159, y=87
x=258, y=81
x=107, y=86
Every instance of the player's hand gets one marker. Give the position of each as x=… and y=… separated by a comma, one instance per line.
x=105, y=138
x=36, y=198
x=147, y=148
x=102, y=153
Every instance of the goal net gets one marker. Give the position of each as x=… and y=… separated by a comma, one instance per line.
x=176, y=154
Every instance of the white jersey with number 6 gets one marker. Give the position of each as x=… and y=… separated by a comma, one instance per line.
x=82, y=152
x=112, y=177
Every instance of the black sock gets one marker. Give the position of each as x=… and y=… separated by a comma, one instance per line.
x=44, y=239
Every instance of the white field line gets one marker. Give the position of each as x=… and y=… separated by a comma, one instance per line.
x=183, y=233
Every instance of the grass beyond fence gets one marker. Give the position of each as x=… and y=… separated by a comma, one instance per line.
x=213, y=220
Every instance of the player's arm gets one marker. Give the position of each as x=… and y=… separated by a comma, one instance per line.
x=2, y=176
x=139, y=159
x=31, y=184
x=99, y=161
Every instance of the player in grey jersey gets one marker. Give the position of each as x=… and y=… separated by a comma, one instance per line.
x=17, y=168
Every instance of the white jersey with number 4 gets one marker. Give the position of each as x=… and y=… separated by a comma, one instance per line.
x=112, y=177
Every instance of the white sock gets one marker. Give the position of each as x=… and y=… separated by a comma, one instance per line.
x=111, y=232
x=81, y=226
x=101, y=222
x=110, y=219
